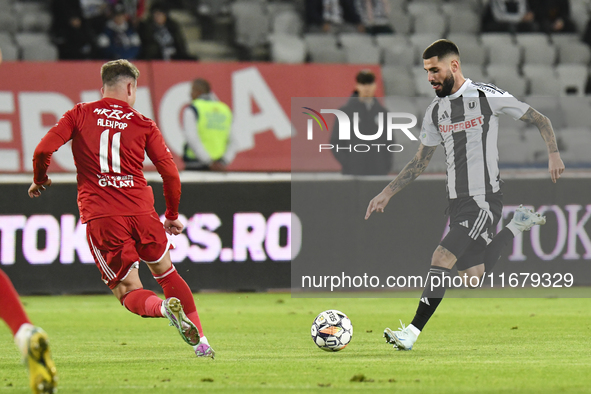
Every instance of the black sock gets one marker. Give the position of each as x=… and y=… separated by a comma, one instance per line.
x=493, y=251
x=431, y=297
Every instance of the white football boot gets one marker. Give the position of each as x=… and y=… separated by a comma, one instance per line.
x=403, y=339
x=524, y=218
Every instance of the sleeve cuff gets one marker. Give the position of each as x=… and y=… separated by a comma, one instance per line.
x=45, y=178
x=170, y=216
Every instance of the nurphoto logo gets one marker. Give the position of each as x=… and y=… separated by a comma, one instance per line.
x=393, y=122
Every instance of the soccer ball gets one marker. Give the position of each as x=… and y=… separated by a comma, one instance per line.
x=332, y=330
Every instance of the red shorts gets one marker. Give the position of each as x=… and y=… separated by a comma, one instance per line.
x=118, y=243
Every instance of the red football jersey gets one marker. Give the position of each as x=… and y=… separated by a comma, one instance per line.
x=109, y=139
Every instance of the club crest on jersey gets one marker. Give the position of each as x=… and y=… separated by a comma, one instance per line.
x=471, y=104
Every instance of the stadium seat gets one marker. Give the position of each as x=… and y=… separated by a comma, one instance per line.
x=398, y=81
x=422, y=85
x=362, y=54
x=277, y=7
x=473, y=54
x=431, y=23
x=532, y=39
x=462, y=39
x=355, y=40
x=579, y=13
x=497, y=39
x=327, y=55
x=8, y=22
x=287, y=22
x=507, y=78
x=560, y=39
x=576, y=145
x=574, y=52
x=543, y=54
x=44, y=52
x=577, y=111
x=513, y=146
x=399, y=55
x=213, y=7
x=38, y=21
x=9, y=51
x=31, y=39
x=251, y=23
x=287, y=48
x=543, y=80
x=573, y=79
x=387, y=40
x=417, y=8
x=397, y=5
x=504, y=54
x=464, y=21
x=401, y=22
x=474, y=72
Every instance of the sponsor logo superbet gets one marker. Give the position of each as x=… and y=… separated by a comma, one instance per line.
x=344, y=123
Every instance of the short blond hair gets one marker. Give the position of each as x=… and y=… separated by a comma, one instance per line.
x=113, y=71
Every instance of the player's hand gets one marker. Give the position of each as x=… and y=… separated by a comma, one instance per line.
x=173, y=227
x=555, y=166
x=35, y=190
x=377, y=204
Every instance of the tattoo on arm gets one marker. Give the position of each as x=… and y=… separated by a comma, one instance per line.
x=413, y=169
x=543, y=124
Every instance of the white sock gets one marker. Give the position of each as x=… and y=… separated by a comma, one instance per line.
x=21, y=338
x=414, y=330
x=514, y=229
x=201, y=340
x=163, y=309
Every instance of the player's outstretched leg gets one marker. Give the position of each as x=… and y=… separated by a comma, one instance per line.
x=523, y=220
x=34, y=346
x=405, y=337
x=175, y=287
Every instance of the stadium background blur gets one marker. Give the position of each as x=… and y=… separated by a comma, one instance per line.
x=258, y=55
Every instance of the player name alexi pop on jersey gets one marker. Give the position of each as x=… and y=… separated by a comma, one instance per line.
x=111, y=123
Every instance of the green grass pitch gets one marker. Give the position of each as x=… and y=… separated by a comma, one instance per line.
x=263, y=344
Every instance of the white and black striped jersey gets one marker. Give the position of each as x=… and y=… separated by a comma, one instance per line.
x=466, y=124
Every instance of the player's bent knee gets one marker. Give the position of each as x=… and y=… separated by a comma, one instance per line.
x=443, y=258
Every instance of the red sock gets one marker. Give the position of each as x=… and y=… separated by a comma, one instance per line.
x=142, y=302
x=175, y=286
x=11, y=309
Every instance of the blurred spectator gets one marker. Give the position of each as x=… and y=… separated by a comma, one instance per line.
x=369, y=110
x=119, y=39
x=134, y=9
x=74, y=39
x=552, y=16
x=93, y=11
x=332, y=15
x=162, y=37
x=508, y=16
x=208, y=130
x=374, y=16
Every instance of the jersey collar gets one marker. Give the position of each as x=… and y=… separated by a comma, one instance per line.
x=111, y=100
x=460, y=90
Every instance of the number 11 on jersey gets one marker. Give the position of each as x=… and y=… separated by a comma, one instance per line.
x=104, y=152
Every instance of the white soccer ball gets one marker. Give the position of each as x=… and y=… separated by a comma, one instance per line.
x=332, y=330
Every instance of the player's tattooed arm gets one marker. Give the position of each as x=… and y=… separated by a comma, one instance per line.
x=543, y=124
x=555, y=164
x=413, y=169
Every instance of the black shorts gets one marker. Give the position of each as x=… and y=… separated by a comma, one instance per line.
x=470, y=225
